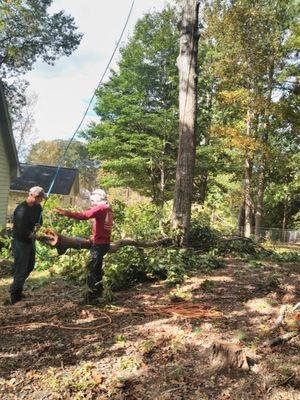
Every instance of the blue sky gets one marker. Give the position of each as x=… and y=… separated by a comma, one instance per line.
x=64, y=89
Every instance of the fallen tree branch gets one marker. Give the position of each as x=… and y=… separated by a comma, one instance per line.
x=63, y=243
x=280, y=339
x=297, y=307
x=245, y=239
x=281, y=383
x=115, y=246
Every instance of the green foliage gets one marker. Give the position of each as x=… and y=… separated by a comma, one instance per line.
x=287, y=257
x=28, y=32
x=203, y=237
x=208, y=285
x=210, y=262
x=130, y=265
x=238, y=248
x=135, y=139
x=139, y=221
x=49, y=153
x=5, y=246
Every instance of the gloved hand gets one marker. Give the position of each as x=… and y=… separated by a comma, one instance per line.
x=59, y=211
x=37, y=227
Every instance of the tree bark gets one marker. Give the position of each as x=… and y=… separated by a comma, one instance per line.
x=260, y=195
x=263, y=159
x=202, y=188
x=63, y=243
x=247, y=183
x=241, y=219
x=187, y=66
x=284, y=217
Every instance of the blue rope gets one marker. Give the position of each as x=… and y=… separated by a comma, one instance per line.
x=60, y=162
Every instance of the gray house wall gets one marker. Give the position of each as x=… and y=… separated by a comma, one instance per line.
x=9, y=164
x=4, y=182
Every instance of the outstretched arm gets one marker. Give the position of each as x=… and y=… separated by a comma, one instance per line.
x=76, y=215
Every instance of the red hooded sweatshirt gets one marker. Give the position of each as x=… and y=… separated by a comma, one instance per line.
x=102, y=224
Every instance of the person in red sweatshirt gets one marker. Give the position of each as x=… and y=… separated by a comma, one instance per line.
x=101, y=233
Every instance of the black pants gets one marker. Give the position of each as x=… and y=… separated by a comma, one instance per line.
x=95, y=269
x=24, y=260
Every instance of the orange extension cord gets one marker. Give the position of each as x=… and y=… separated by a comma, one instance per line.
x=184, y=310
x=59, y=326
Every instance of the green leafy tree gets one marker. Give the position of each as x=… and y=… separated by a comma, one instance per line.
x=136, y=137
x=254, y=49
x=28, y=32
x=50, y=152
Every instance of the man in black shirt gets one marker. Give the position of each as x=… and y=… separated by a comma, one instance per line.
x=27, y=219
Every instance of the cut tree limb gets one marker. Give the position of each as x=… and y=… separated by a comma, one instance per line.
x=63, y=243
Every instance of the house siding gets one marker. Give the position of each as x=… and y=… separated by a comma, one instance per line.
x=4, y=182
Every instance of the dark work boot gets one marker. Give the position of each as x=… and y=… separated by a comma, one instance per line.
x=93, y=299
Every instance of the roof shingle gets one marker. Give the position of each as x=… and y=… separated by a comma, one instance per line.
x=43, y=175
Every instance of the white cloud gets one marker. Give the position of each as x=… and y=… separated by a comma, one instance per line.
x=64, y=89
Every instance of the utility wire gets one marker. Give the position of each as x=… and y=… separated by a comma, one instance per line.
x=60, y=162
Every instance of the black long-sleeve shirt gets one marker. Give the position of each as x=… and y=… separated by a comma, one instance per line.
x=25, y=218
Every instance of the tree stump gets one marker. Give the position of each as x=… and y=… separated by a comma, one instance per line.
x=228, y=356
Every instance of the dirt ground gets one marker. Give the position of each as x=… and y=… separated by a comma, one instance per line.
x=141, y=350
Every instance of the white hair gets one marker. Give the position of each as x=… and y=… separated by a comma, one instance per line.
x=98, y=197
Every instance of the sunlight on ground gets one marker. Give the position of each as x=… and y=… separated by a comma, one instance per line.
x=37, y=279
x=260, y=305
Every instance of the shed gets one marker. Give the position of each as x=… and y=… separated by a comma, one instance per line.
x=66, y=183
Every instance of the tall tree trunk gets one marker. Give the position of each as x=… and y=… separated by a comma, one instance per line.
x=284, y=218
x=202, y=187
x=248, y=200
x=263, y=159
x=241, y=219
x=203, y=178
x=247, y=183
x=260, y=195
x=187, y=66
x=261, y=183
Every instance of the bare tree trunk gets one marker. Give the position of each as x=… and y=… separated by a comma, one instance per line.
x=263, y=159
x=241, y=219
x=203, y=178
x=162, y=174
x=284, y=218
x=202, y=188
x=247, y=183
x=260, y=195
x=262, y=178
x=187, y=66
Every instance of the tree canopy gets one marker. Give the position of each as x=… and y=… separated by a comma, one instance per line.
x=136, y=139
x=28, y=32
x=247, y=109
x=50, y=152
